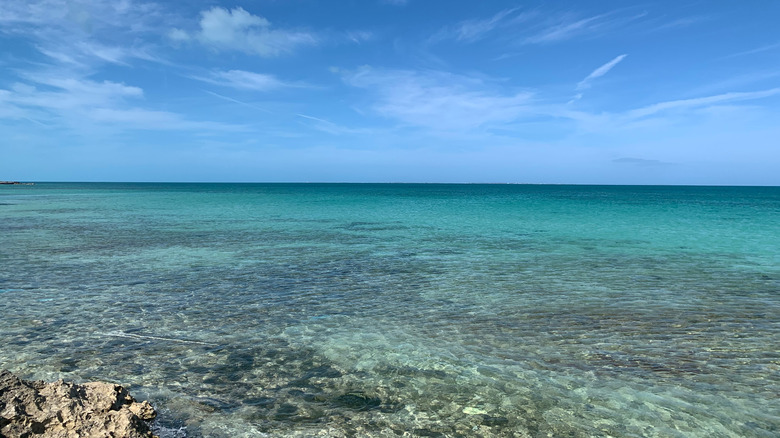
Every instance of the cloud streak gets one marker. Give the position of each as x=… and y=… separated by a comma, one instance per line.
x=82, y=104
x=85, y=33
x=243, y=80
x=444, y=104
x=329, y=127
x=564, y=30
x=531, y=27
x=565, y=27
x=440, y=101
x=477, y=29
x=761, y=49
x=700, y=102
x=240, y=102
x=599, y=72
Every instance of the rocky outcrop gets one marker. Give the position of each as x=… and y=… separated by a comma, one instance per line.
x=61, y=409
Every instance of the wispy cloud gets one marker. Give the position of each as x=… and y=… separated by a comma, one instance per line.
x=438, y=100
x=85, y=53
x=240, y=102
x=565, y=27
x=72, y=102
x=329, y=127
x=701, y=102
x=244, y=80
x=80, y=31
x=68, y=94
x=681, y=23
x=145, y=119
x=599, y=72
x=761, y=49
x=736, y=82
x=532, y=27
x=476, y=29
x=238, y=30
x=83, y=16
x=77, y=39
x=565, y=30
x=445, y=104
x=359, y=36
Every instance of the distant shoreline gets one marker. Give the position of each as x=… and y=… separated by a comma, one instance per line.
x=15, y=183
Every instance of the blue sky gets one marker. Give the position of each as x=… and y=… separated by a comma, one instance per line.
x=617, y=92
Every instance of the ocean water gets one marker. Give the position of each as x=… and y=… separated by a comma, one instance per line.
x=244, y=310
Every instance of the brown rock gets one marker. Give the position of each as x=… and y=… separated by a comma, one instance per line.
x=67, y=410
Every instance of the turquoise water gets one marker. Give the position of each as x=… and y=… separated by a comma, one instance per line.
x=403, y=310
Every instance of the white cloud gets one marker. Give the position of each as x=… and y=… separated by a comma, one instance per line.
x=78, y=103
x=331, y=128
x=178, y=35
x=450, y=105
x=564, y=30
x=245, y=80
x=565, y=27
x=236, y=29
x=85, y=33
x=756, y=50
x=476, y=29
x=439, y=101
x=700, y=102
x=222, y=26
x=739, y=81
x=240, y=102
x=87, y=54
x=472, y=30
x=360, y=36
x=139, y=118
x=66, y=96
x=599, y=72
x=532, y=27
x=681, y=22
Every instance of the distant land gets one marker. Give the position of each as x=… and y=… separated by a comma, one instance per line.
x=15, y=183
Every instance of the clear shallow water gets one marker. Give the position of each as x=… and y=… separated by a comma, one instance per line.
x=383, y=310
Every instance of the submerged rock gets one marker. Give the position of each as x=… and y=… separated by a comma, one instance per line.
x=61, y=409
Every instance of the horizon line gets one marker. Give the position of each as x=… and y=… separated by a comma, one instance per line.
x=27, y=182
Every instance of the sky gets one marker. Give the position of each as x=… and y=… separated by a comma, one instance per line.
x=569, y=92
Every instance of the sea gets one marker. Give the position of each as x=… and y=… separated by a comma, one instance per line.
x=403, y=310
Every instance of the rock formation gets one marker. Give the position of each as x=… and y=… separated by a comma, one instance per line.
x=61, y=409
